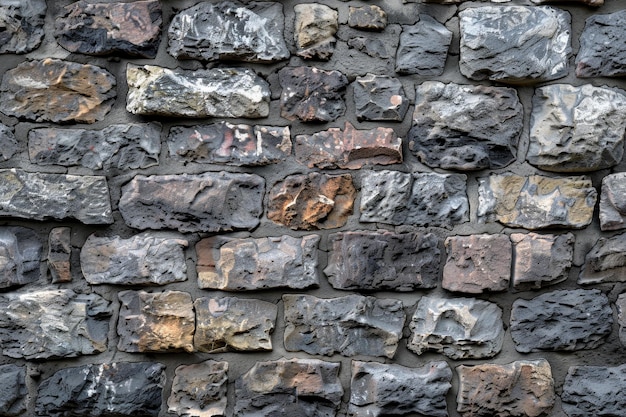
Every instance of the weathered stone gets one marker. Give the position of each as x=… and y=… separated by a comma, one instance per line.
x=155, y=322
x=423, y=47
x=229, y=323
x=514, y=43
x=465, y=127
x=312, y=201
x=605, y=262
x=459, y=328
x=594, y=391
x=620, y=303
x=145, y=259
x=107, y=28
x=289, y=387
x=121, y=389
x=13, y=390
x=209, y=202
x=123, y=146
x=22, y=25
x=613, y=202
x=199, y=390
x=59, y=254
x=20, y=255
x=518, y=389
x=350, y=325
x=49, y=324
x=536, y=202
x=217, y=92
x=383, y=260
x=226, y=30
x=566, y=320
x=256, y=264
x=477, y=263
x=596, y=3
x=380, y=97
x=372, y=47
x=40, y=196
x=602, y=52
x=52, y=90
x=226, y=143
x=8, y=143
x=369, y=17
x=577, y=129
x=349, y=148
x=378, y=389
x=314, y=32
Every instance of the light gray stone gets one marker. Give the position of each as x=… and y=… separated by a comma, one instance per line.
x=8, y=143
x=314, y=32
x=423, y=47
x=605, y=262
x=602, y=52
x=20, y=256
x=594, y=390
x=22, y=25
x=613, y=202
x=380, y=97
x=13, y=390
x=199, y=390
x=620, y=303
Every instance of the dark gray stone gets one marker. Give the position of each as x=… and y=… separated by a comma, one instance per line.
x=22, y=24
x=8, y=143
x=370, y=17
x=613, y=202
x=380, y=97
x=199, y=390
x=594, y=391
x=13, y=390
x=605, y=262
x=372, y=47
x=602, y=52
x=423, y=47
x=620, y=303
x=314, y=31
x=60, y=254
x=20, y=255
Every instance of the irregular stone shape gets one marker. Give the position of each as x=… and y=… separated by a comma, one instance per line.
x=373, y=47
x=613, y=202
x=8, y=143
x=459, y=328
x=109, y=389
x=577, y=129
x=383, y=260
x=594, y=390
x=596, y=3
x=380, y=97
x=110, y=28
x=477, y=263
x=314, y=32
x=378, y=389
x=312, y=201
x=217, y=92
x=602, y=52
x=541, y=260
x=155, y=322
x=514, y=43
x=311, y=94
x=59, y=254
x=256, y=264
x=420, y=199
x=536, y=202
x=605, y=262
x=465, y=127
x=369, y=17
x=521, y=388
x=226, y=143
x=22, y=25
x=350, y=325
x=52, y=90
x=123, y=146
x=566, y=320
x=226, y=30
x=50, y=324
x=423, y=48
x=209, y=202
x=13, y=390
x=349, y=148
x=199, y=390
x=620, y=303
x=144, y=259
x=20, y=255
x=229, y=323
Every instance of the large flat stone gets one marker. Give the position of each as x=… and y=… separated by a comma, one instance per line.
x=605, y=261
x=314, y=31
x=379, y=97
x=20, y=256
x=199, y=390
x=423, y=47
x=594, y=391
x=23, y=25
x=13, y=390
x=602, y=52
x=613, y=202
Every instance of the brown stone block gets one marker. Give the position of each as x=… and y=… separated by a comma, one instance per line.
x=59, y=254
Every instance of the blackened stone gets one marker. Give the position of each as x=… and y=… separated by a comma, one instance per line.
x=602, y=51
x=199, y=390
x=594, y=391
x=369, y=17
x=613, y=202
x=605, y=262
x=380, y=97
x=423, y=48
x=8, y=143
x=22, y=24
x=60, y=254
x=20, y=255
x=13, y=390
x=314, y=32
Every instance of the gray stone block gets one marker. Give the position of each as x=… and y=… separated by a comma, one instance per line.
x=613, y=202
x=602, y=52
x=379, y=97
x=13, y=390
x=199, y=390
x=423, y=47
x=23, y=25
x=605, y=262
x=20, y=256
x=314, y=31
x=8, y=143
x=594, y=390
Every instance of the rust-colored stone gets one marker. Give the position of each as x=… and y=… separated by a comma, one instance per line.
x=59, y=253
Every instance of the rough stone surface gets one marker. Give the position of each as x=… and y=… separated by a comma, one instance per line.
x=314, y=32
x=596, y=3
x=613, y=202
x=594, y=390
x=350, y=325
x=23, y=25
x=514, y=43
x=605, y=262
x=459, y=328
x=380, y=97
x=257, y=264
x=566, y=320
x=383, y=260
x=209, y=202
x=369, y=17
x=13, y=390
x=602, y=52
x=465, y=127
x=423, y=47
x=522, y=388
x=59, y=254
x=199, y=390
x=8, y=142
x=620, y=303
x=20, y=254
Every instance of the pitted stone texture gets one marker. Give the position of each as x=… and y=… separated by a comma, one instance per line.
x=420, y=199
x=514, y=43
x=121, y=389
x=312, y=201
x=23, y=25
x=231, y=144
x=59, y=254
x=605, y=262
x=567, y=320
x=380, y=97
x=314, y=32
x=613, y=202
x=52, y=90
x=217, y=92
x=370, y=46
x=536, y=202
x=351, y=325
x=209, y=202
x=477, y=263
x=199, y=390
x=226, y=30
x=41, y=196
x=311, y=94
x=256, y=264
x=155, y=322
x=289, y=387
x=148, y=258
x=50, y=324
x=110, y=28
x=602, y=52
x=423, y=48
x=13, y=390
x=577, y=129
x=378, y=389
x=620, y=303
x=233, y=324
x=459, y=328
x=369, y=17
x=8, y=143
x=349, y=148
x=518, y=389
x=465, y=127
x=383, y=260
x=123, y=146
x=20, y=255
x=594, y=391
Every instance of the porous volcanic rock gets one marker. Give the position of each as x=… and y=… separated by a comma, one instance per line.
x=602, y=52
x=423, y=47
x=199, y=390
